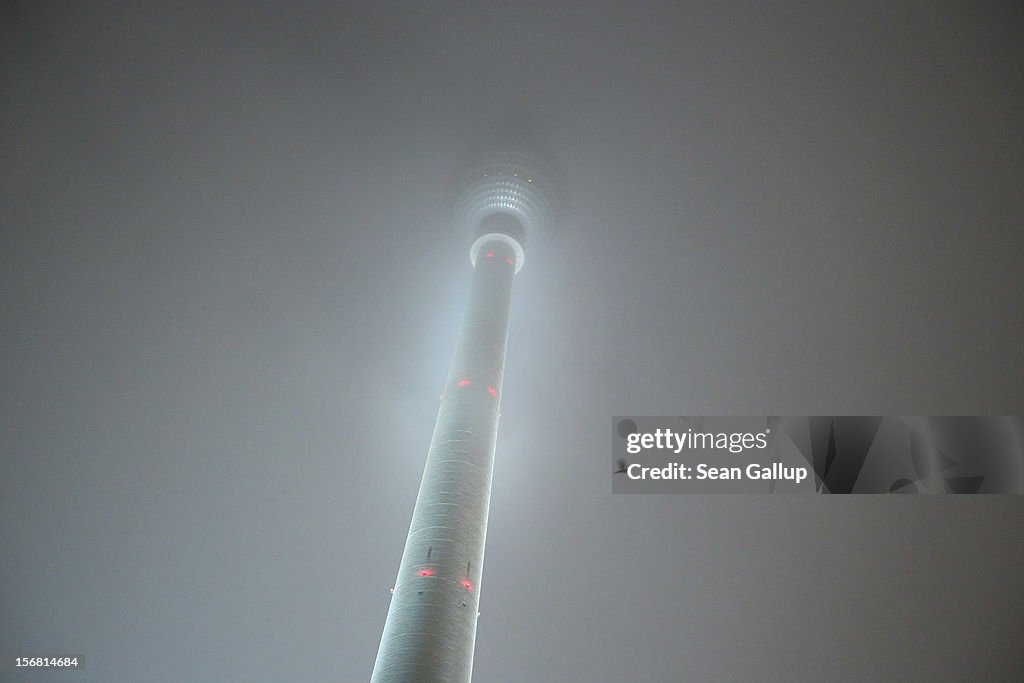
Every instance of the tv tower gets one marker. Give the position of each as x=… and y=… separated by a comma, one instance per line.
x=504, y=204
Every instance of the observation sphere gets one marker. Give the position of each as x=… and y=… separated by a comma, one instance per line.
x=500, y=186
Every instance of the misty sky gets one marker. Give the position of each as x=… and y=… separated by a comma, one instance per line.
x=229, y=296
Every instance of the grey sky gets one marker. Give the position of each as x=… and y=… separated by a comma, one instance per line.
x=229, y=299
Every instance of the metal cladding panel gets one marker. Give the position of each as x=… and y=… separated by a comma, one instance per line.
x=430, y=630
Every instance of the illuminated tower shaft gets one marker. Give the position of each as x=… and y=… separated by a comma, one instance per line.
x=431, y=625
x=505, y=202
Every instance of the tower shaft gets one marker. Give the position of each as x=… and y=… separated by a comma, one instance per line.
x=430, y=630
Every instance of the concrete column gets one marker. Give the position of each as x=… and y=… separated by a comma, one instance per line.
x=430, y=630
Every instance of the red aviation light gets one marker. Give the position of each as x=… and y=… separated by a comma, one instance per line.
x=489, y=254
x=492, y=391
x=508, y=261
x=466, y=584
x=463, y=382
x=426, y=571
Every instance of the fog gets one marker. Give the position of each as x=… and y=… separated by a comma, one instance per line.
x=230, y=293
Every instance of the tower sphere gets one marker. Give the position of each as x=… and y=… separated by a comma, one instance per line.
x=508, y=196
